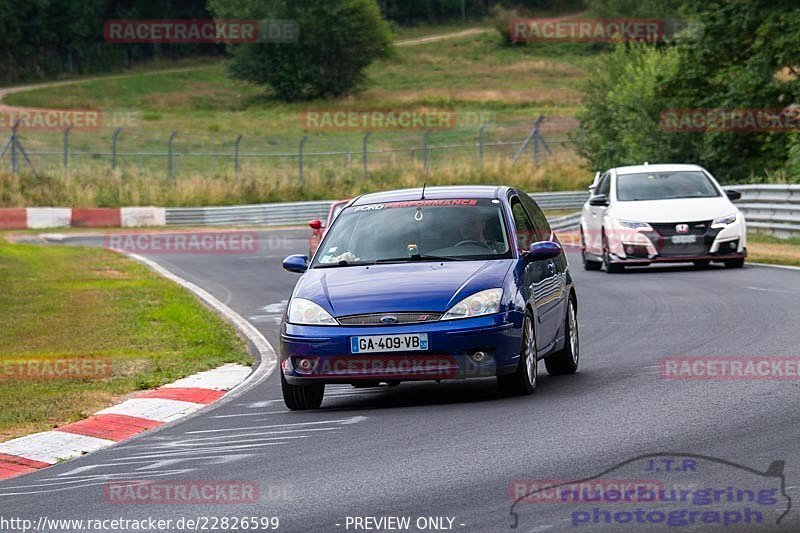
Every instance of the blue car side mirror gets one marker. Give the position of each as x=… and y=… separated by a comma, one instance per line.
x=296, y=263
x=543, y=250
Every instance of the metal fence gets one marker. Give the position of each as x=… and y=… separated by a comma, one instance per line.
x=283, y=214
x=172, y=154
x=290, y=213
x=773, y=209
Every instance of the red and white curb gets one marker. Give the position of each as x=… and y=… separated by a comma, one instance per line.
x=65, y=217
x=146, y=410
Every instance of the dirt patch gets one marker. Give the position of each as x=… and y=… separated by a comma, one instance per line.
x=547, y=68
x=442, y=37
x=507, y=96
x=110, y=273
x=184, y=98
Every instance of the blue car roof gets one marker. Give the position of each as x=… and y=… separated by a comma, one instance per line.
x=432, y=193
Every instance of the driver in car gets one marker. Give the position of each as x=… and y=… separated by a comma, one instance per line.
x=473, y=230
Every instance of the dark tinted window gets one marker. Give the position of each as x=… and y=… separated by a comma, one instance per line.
x=664, y=186
x=540, y=223
x=604, y=187
x=526, y=232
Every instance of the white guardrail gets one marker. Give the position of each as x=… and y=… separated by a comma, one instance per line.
x=771, y=209
x=290, y=213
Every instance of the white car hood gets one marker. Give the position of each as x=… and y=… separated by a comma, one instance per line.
x=678, y=210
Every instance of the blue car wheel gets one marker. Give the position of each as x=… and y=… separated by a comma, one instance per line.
x=524, y=379
x=302, y=397
x=566, y=360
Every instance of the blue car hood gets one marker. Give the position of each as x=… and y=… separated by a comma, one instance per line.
x=424, y=286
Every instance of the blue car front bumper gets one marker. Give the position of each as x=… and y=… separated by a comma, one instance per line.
x=322, y=354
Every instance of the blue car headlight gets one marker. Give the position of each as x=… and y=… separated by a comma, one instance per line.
x=481, y=303
x=306, y=312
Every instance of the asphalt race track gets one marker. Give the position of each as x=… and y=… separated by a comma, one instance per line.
x=453, y=449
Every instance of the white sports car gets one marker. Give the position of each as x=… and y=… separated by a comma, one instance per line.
x=644, y=214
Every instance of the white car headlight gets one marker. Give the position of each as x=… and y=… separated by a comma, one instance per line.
x=635, y=225
x=306, y=312
x=481, y=303
x=721, y=222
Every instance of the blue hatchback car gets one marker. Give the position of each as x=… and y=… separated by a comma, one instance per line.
x=430, y=284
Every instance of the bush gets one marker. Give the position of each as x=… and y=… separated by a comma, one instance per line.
x=337, y=40
x=745, y=60
x=624, y=101
x=792, y=167
x=501, y=19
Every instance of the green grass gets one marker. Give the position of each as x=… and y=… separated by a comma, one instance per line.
x=82, y=303
x=151, y=66
x=509, y=85
x=470, y=73
x=763, y=248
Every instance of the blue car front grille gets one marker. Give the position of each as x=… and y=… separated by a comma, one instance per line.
x=389, y=319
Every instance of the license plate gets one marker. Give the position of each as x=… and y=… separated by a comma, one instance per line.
x=684, y=239
x=389, y=343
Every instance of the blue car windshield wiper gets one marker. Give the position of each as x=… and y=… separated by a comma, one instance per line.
x=344, y=263
x=420, y=257
x=406, y=259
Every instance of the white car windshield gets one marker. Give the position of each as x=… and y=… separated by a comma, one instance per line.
x=452, y=229
x=664, y=186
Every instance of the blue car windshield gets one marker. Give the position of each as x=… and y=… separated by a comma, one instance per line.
x=420, y=230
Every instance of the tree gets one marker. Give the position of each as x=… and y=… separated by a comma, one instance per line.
x=405, y=12
x=338, y=40
x=40, y=38
x=634, y=8
x=624, y=100
x=746, y=57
